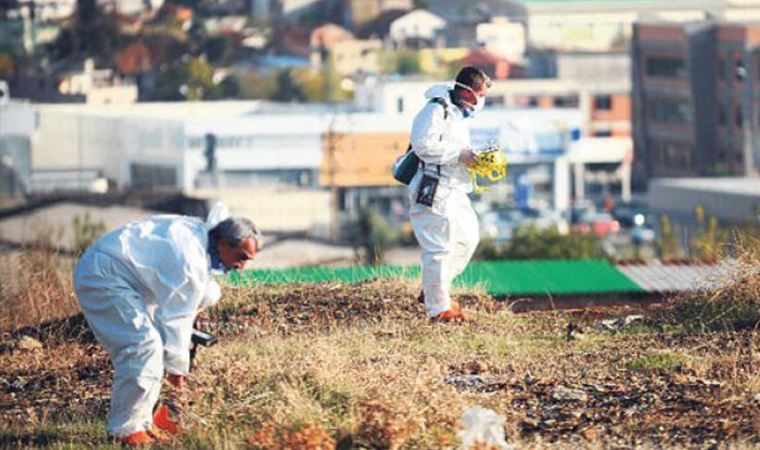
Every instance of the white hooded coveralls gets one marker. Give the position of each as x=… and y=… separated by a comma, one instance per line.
x=447, y=231
x=140, y=288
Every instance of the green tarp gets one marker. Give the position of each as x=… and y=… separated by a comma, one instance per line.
x=555, y=277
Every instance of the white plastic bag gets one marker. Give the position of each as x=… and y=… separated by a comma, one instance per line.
x=483, y=426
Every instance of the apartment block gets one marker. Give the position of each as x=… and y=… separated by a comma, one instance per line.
x=695, y=99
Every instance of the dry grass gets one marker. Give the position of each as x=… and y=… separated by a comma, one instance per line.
x=735, y=305
x=35, y=287
x=358, y=366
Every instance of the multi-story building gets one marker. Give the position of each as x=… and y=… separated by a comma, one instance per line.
x=605, y=107
x=695, y=99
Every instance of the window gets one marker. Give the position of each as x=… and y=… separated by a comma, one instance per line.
x=603, y=133
x=671, y=111
x=739, y=117
x=740, y=71
x=666, y=67
x=566, y=101
x=400, y=104
x=603, y=102
x=676, y=155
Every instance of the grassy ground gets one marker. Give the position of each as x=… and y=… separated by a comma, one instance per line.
x=330, y=365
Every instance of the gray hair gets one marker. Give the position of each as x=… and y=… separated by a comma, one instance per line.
x=235, y=230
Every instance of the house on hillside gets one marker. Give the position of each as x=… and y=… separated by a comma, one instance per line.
x=416, y=29
x=142, y=59
x=502, y=38
x=462, y=18
x=292, y=40
x=497, y=67
x=358, y=14
x=98, y=86
x=323, y=39
x=357, y=56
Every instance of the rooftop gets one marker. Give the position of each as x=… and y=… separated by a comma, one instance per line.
x=733, y=185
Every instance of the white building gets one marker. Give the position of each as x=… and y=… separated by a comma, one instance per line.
x=18, y=123
x=502, y=38
x=406, y=96
x=98, y=86
x=417, y=25
x=576, y=25
x=153, y=145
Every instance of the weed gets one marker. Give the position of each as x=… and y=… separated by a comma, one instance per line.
x=657, y=361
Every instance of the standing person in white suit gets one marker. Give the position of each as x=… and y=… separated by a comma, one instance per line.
x=140, y=288
x=442, y=217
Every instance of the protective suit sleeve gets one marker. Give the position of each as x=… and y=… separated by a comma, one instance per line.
x=184, y=283
x=211, y=296
x=430, y=139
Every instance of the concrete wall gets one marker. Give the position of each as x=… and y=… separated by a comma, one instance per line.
x=72, y=140
x=733, y=200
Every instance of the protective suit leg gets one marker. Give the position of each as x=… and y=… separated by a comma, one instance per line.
x=120, y=321
x=432, y=228
x=448, y=235
x=465, y=233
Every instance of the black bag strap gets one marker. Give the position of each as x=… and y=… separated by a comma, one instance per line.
x=445, y=106
x=443, y=103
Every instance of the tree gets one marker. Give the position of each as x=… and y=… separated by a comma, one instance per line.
x=370, y=235
x=288, y=89
x=91, y=33
x=408, y=63
x=7, y=67
x=188, y=80
x=257, y=87
x=219, y=49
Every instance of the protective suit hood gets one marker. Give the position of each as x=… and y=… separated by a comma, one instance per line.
x=218, y=213
x=439, y=91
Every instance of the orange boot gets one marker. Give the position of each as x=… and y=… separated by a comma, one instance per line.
x=136, y=439
x=161, y=436
x=163, y=420
x=453, y=314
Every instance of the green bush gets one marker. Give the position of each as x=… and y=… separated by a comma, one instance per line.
x=370, y=235
x=533, y=243
x=86, y=231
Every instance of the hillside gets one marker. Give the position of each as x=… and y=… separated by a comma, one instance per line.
x=327, y=365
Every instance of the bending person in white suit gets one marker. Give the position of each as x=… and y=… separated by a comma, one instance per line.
x=140, y=288
x=442, y=217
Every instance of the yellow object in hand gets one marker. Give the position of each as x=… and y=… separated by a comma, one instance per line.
x=491, y=163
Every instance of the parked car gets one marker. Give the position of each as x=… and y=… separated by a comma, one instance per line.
x=600, y=224
x=632, y=214
x=499, y=225
x=641, y=234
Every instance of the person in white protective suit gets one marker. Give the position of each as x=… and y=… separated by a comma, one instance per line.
x=442, y=217
x=140, y=288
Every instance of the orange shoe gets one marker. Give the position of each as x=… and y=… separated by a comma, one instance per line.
x=137, y=439
x=453, y=314
x=161, y=436
x=163, y=420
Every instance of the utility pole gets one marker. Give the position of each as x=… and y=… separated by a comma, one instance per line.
x=332, y=168
x=747, y=106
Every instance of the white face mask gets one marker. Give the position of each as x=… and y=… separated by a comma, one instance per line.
x=480, y=102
